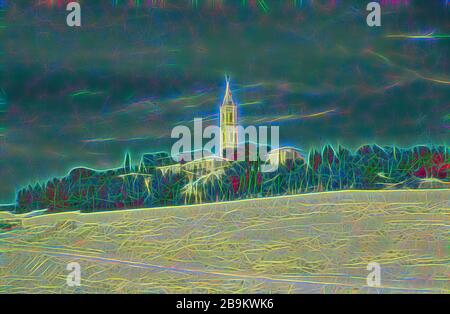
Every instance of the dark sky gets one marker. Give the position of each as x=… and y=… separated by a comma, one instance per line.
x=121, y=82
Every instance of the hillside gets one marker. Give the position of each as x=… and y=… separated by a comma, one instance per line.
x=317, y=243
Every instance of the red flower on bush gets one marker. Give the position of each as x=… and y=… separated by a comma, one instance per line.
x=317, y=162
x=437, y=169
x=444, y=171
x=421, y=173
x=235, y=183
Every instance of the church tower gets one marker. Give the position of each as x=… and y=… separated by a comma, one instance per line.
x=228, y=125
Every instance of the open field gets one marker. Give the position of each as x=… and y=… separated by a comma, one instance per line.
x=317, y=243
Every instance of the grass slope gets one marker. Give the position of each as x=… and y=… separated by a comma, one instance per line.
x=318, y=243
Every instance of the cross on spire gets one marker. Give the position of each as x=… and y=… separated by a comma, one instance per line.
x=228, y=97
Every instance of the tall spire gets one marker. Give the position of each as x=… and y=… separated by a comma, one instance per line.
x=228, y=124
x=228, y=97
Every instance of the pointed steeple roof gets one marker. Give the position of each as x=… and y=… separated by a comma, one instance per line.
x=228, y=97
